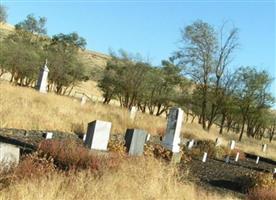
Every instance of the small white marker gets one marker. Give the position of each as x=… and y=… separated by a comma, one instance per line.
x=204, y=157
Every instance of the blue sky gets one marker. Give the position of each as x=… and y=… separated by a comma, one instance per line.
x=152, y=28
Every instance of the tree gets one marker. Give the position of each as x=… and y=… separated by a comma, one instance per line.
x=197, y=58
x=252, y=97
x=3, y=14
x=66, y=69
x=33, y=25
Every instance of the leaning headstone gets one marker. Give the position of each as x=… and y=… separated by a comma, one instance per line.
x=237, y=157
x=191, y=144
x=264, y=147
x=42, y=79
x=133, y=112
x=218, y=142
x=171, y=139
x=97, y=136
x=9, y=154
x=257, y=159
x=204, y=158
x=135, y=141
x=232, y=144
x=83, y=100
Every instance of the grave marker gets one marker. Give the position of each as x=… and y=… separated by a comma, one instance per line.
x=171, y=139
x=42, y=79
x=135, y=141
x=204, y=157
x=264, y=147
x=227, y=159
x=232, y=144
x=257, y=159
x=83, y=100
x=191, y=144
x=83, y=138
x=49, y=135
x=9, y=154
x=133, y=112
x=97, y=136
x=237, y=157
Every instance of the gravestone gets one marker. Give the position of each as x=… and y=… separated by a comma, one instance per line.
x=135, y=141
x=83, y=138
x=257, y=159
x=274, y=171
x=148, y=137
x=132, y=113
x=42, y=79
x=191, y=144
x=218, y=142
x=9, y=154
x=49, y=135
x=171, y=139
x=204, y=158
x=83, y=100
x=232, y=144
x=264, y=147
x=237, y=157
x=97, y=136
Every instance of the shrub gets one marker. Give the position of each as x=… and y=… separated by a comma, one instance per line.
x=117, y=146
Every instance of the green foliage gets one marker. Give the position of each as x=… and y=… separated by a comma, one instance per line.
x=33, y=25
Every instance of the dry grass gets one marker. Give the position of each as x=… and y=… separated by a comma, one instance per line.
x=136, y=178
x=28, y=109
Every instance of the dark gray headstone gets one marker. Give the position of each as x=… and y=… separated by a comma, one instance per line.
x=134, y=141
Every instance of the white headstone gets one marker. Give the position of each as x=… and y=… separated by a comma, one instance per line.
x=237, y=157
x=148, y=137
x=218, y=142
x=257, y=159
x=9, y=154
x=83, y=138
x=83, y=100
x=42, y=79
x=133, y=112
x=264, y=147
x=274, y=171
x=191, y=144
x=172, y=137
x=204, y=158
x=49, y=135
x=232, y=144
x=97, y=136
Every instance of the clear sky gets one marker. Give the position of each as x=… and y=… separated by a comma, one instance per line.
x=152, y=28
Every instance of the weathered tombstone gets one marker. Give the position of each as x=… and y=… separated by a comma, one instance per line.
x=83, y=100
x=171, y=139
x=232, y=144
x=204, y=158
x=133, y=112
x=227, y=159
x=42, y=79
x=264, y=147
x=237, y=157
x=274, y=171
x=218, y=142
x=83, y=138
x=97, y=135
x=9, y=154
x=257, y=159
x=191, y=144
x=135, y=141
